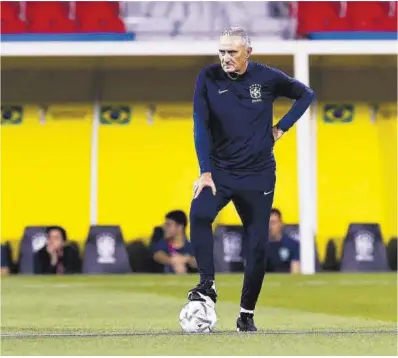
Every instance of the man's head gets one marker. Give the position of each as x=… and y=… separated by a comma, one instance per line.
x=56, y=236
x=234, y=49
x=275, y=224
x=175, y=224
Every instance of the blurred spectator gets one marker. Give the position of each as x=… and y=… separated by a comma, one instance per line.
x=278, y=9
x=175, y=252
x=283, y=251
x=4, y=261
x=57, y=257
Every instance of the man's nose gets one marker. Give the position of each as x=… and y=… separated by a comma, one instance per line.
x=227, y=57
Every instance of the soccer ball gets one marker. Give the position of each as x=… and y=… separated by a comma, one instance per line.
x=198, y=317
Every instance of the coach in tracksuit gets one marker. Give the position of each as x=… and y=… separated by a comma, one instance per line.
x=234, y=140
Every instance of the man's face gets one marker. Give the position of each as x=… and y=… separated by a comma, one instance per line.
x=55, y=240
x=233, y=53
x=275, y=226
x=171, y=229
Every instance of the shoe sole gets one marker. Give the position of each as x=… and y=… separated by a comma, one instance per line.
x=239, y=330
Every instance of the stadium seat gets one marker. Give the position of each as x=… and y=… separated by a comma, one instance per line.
x=157, y=235
x=105, y=251
x=49, y=17
x=367, y=16
x=392, y=254
x=330, y=263
x=319, y=16
x=98, y=16
x=12, y=266
x=44, y=9
x=87, y=7
x=228, y=248
x=9, y=9
x=12, y=26
x=10, y=21
x=75, y=246
x=140, y=258
x=363, y=249
x=102, y=24
x=34, y=239
x=391, y=21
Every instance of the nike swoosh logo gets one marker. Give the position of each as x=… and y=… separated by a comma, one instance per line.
x=268, y=192
x=220, y=92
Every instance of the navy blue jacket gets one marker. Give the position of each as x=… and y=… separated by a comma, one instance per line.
x=233, y=122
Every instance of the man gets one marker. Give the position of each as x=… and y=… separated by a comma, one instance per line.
x=234, y=140
x=283, y=252
x=175, y=251
x=57, y=257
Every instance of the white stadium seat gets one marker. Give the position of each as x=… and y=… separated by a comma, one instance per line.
x=205, y=19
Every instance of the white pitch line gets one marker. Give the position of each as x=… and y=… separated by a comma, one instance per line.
x=170, y=333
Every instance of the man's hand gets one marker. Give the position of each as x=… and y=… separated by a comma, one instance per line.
x=178, y=259
x=178, y=262
x=204, y=180
x=277, y=133
x=295, y=267
x=53, y=254
x=180, y=269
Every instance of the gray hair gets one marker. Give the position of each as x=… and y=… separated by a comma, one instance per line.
x=237, y=31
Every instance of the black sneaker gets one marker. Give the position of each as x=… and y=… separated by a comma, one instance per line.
x=245, y=323
x=205, y=288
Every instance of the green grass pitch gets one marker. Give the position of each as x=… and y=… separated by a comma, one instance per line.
x=324, y=314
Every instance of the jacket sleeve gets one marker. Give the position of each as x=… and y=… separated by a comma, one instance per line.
x=289, y=87
x=201, y=128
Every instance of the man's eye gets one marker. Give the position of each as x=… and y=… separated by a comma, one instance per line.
x=222, y=52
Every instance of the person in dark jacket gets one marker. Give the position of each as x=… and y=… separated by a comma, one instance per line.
x=57, y=257
x=174, y=251
x=283, y=251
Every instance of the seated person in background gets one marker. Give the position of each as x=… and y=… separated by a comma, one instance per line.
x=175, y=251
x=57, y=257
x=4, y=261
x=283, y=251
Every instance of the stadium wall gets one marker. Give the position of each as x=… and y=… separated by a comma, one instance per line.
x=147, y=169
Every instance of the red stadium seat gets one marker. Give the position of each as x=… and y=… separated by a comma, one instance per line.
x=319, y=16
x=15, y=26
x=102, y=25
x=390, y=21
x=366, y=15
x=52, y=26
x=49, y=17
x=10, y=21
x=84, y=8
x=37, y=9
x=99, y=16
x=9, y=9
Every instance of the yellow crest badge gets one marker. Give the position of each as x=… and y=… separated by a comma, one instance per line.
x=115, y=114
x=11, y=115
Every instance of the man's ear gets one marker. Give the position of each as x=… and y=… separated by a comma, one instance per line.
x=249, y=52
